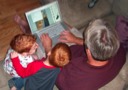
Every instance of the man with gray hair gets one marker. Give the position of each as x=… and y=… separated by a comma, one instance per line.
x=96, y=59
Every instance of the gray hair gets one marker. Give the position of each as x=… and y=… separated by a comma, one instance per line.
x=101, y=40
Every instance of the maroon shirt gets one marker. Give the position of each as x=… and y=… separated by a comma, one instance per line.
x=79, y=75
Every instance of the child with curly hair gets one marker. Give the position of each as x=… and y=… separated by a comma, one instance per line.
x=25, y=45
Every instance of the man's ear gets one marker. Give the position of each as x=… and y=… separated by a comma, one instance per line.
x=88, y=52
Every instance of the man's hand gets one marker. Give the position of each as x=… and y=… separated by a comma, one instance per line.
x=46, y=42
x=14, y=54
x=68, y=37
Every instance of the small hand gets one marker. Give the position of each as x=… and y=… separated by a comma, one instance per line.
x=14, y=54
x=46, y=42
x=35, y=57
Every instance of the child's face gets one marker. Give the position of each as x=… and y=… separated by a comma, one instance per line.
x=33, y=48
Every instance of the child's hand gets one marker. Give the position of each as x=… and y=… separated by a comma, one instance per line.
x=14, y=54
x=35, y=57
x=46, y=42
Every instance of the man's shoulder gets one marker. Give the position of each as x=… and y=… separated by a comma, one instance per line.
x=120, y=57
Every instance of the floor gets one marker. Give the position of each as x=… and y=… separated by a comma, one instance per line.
x=8, y=28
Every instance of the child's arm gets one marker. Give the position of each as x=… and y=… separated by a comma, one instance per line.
x=24, y=72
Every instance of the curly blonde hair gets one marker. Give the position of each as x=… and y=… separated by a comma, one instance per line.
x=22, y=42
x=60, y=55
